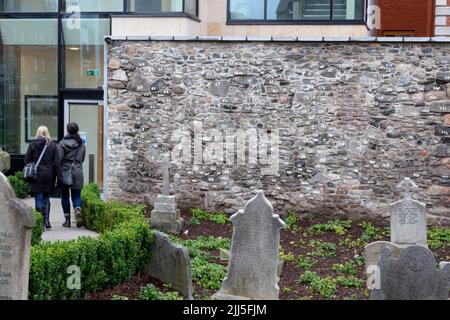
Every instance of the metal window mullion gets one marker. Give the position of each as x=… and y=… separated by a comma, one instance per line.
x=265, y=10
x=331, y=10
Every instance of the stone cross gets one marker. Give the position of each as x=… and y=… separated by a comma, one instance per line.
x=16, y=223
x=413, y=275
x=166, y=175
x=253, y=265
x=408, y=218
x=407, y=187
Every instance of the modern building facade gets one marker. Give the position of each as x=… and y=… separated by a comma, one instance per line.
x=52, y=52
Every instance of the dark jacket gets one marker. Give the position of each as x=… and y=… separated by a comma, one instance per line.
x=68, y=151
x=47, y=168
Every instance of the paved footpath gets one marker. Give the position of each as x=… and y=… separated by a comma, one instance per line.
x=58, y=232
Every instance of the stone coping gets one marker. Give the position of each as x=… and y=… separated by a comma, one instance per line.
x=281, y=39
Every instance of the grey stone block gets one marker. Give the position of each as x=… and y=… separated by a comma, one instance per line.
x=363, y=39
x=138, y=38
x=259, y=38
x=170, y=263
x=390, y=39
x=282, y=39
x=185, y=38
x=209, y=38
x=5, y=161
x=336, y=39
x=309, y=39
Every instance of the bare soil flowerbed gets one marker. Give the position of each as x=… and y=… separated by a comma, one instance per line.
x=323, y=258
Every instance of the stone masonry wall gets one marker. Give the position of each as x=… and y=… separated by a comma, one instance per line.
x=353, y=120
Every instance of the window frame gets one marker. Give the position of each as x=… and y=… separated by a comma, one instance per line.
x=266, y=21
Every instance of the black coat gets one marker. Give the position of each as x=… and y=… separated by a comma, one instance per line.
x=47, y=168
x=68, y=151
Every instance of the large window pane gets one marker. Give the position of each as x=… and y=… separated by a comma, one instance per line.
x=28, y=80
x=83, y=48
x=348, y=9
x=93, y=5
x=29, y=5
x=247, y=9
x=191, y=7
x=155, y=5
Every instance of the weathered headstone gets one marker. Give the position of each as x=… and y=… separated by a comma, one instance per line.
x=171, y=264
x=372, y=253
x=166, y=215
x=16, y=223
x=5, y=161
x=252, y=269
x=413, y=275
x=408, y=218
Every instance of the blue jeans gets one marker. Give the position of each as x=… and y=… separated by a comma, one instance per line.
x=65, y=200
x=42, y=200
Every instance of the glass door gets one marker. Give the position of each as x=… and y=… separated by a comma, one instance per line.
x=88, y=114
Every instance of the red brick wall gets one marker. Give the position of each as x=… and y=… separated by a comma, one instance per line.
x=407, y=15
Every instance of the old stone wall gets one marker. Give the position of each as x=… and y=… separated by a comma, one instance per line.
x=352, y=120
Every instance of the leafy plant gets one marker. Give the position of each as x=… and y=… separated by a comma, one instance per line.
x=305, y=262
x=325, y=286
x=337, y=226
x=150, y=292
x=371, y=233
x=216, y=217
x=347, y=267
x=438, y=238
x=322, y=249
x=194, y=221
x=118, y=297
x=19, y=185
x=350, y=281
x=208, y=275
x=288, y=257
x=291, y=221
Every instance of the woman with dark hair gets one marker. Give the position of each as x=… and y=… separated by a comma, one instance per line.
x=70, y=158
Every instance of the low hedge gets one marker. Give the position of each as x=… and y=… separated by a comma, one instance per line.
x=36, y=235
x=121, y=250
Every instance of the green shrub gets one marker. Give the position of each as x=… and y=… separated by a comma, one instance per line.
x=371, y=233
x=347, y=267
x=322, y=249
x=121, y=250
x=19, y=185
x=100, y=216
x=216, y=217
x=36, y=236
x=150, y=292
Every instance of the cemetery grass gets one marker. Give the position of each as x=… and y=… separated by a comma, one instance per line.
x=323, y=258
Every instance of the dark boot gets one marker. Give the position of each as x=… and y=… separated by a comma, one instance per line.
x=67, y=223
x=78, y=217
x=46, y=216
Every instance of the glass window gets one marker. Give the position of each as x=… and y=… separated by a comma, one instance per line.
x=190, y=6
x=247, y=9
x=29, y=5
x=348, y=9
x=83, y=50
x=298, y=9
x=155, y=5
x=93, y=5
x=28, y=80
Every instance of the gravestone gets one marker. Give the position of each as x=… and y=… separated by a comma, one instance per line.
x=408, y=218
x=372, y=253
x=5, y=161
x=165, y=214
x=413, y=275
x=16, y=223
x=253, y=265
x=170, y=263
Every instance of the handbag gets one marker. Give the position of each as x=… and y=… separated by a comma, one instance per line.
x=30, y=171
x=67, y=178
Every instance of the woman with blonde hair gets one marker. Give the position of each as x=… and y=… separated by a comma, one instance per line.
x=42, y=152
